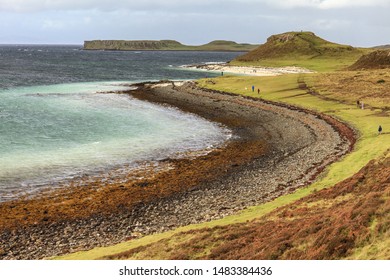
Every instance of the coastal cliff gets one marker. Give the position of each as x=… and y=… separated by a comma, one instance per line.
x=164, y=45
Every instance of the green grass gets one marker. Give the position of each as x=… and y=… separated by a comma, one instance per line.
x=284, y=89
x=328, y=64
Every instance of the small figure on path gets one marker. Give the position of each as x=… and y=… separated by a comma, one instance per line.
x=253, y=88
x=222, y=73
x=258, y=91
x=362, y=105
x=358, y=103
x=380, y=129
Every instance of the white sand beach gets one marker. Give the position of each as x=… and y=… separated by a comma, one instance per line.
x=251, y=71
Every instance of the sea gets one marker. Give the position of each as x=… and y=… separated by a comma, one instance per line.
x=60, y=120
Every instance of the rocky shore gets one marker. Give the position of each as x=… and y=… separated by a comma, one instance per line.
x=275, y=149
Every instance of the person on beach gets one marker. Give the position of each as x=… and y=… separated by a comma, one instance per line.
x=380, y=129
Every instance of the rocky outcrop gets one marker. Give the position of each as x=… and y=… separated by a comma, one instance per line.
x=164, y=45
x=131, y=45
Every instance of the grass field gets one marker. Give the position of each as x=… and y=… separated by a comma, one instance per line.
x=285, y=89
x=371, y=87
x=315, y=64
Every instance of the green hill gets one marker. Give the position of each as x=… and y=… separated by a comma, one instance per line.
x=164, y=45
x=301, y=49
x=221, y=45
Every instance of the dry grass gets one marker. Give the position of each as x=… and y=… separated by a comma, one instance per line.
x=341, y=222
x=370, y=87
x=379, y=59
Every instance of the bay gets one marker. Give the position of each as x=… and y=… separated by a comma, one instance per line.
x=58, y=121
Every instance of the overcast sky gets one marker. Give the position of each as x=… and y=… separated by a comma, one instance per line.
x=355, y=22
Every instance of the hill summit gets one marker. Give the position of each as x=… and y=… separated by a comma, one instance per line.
x=376, y=60
x=294, y=45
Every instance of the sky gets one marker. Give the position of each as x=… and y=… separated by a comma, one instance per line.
x=360, y=23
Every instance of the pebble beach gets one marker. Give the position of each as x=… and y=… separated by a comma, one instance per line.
x=275, y=149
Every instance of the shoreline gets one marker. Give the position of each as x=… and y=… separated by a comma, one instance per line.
x=247, y=70
x=262, y=163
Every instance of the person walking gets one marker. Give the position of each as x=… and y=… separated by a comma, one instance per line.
x=380, y=129
x=253, y=88
x=258, y=91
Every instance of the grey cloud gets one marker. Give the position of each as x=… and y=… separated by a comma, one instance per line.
x=105, y=5
x=110, y=5
x=191, y=22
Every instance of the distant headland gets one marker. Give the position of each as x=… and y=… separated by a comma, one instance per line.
x=165, y=45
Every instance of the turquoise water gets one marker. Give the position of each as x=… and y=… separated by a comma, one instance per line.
x=57, y=124
x=53, y=133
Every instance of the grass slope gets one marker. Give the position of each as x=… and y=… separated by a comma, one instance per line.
x=303, y=49
x=221, y=45
x=207, y=240
x=375, y=60
x=328, y=224
x=370, y=87
x=382, y=47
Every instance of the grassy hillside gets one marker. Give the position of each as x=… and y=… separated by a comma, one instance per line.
x=349, y=220
x=344, y=214
x=220, y=45
x=370, y=87
x=379, y=59
x=382, y=47
x=303, y=49
x=165, y=45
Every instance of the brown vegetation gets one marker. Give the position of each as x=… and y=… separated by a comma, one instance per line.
x=379, y=59
x=98, y=198
x=329, y=224
x=371, y=87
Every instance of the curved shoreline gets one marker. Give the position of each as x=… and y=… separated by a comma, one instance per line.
x=232, y=178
